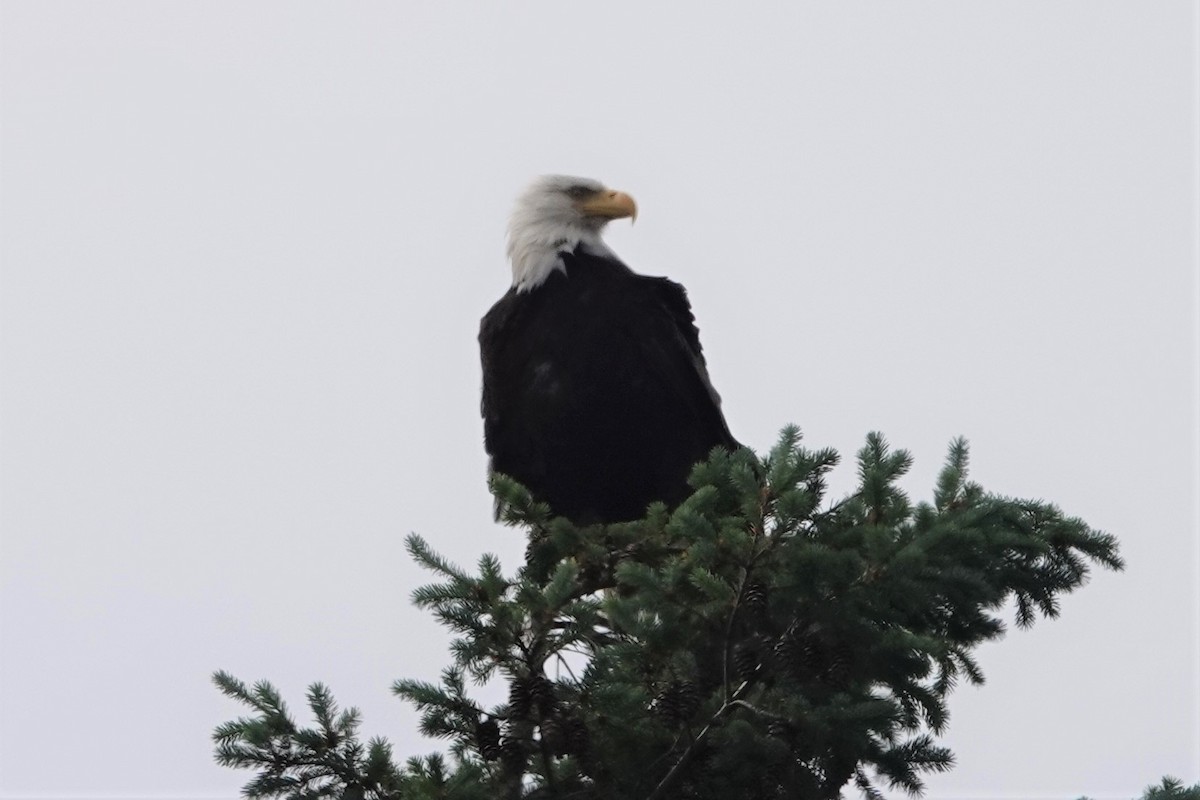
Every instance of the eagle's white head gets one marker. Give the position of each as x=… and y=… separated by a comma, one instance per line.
x=556, y=214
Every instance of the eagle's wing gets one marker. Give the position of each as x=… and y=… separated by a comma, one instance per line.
x=674, y=300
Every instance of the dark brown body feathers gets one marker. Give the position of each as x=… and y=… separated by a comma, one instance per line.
x=595, y=392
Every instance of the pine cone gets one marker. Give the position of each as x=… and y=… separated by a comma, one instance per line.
x=554, y=737
x=520, y=697
x=512, y=752
x=781, y=729
x=487, y=739
x=755, y=598
x=748, y=657
x=689, y=698
x=577, y=735
x=677, y=702
x=541, y=690
x=813, y=654
x=666, y=704
x=786, y=652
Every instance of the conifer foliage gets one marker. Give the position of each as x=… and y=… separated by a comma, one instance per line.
x=757, y=642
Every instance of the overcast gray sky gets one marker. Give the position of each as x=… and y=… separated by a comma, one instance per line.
x=246, y=247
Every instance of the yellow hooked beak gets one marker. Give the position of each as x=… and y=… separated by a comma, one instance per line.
x=609, y=204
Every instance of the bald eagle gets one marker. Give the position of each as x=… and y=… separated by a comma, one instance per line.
x=596, y=396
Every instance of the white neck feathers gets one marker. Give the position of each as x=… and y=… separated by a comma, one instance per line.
x=536, y=249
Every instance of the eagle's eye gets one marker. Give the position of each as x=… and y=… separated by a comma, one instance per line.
x=580, y=192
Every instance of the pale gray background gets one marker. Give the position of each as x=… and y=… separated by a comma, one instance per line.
x=246, y=249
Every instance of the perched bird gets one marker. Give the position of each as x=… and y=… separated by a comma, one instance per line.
x=595, y=392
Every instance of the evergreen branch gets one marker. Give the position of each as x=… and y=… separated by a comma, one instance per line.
x=674, y=773
x=420, y=551
x=758, y=640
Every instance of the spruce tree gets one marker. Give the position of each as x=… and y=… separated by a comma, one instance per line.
x=1171, y=789
x=758, y=641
